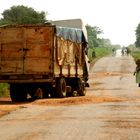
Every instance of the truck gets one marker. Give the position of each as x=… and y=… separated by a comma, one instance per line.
x=43, y=58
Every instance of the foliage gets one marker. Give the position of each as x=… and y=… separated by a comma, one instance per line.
x=131, y=46
x=22, y=15
x=4, y=89
x=102, y=51
x=137, y=32
x=104, y=42
x=93, y=39
x=99, y=52
x=116, y=46
x=93, y=33
x=135, y=53
x=98, y=47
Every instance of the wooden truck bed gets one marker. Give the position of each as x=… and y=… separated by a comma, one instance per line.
x=26, y=50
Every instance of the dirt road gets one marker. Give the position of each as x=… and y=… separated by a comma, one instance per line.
x=110, y=110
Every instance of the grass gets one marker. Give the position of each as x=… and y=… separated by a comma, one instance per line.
x=99, y=52
x=136, y=54
x=4, y=90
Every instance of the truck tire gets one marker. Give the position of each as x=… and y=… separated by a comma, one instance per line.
x=81, y=88
x=61, y=87
x=17, y=93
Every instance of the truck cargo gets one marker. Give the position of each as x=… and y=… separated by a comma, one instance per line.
x=48, y=59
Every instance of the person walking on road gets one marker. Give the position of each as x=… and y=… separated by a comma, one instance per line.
x=137, y=72
x=113, y=52
x=123, y=52
x=128, y=51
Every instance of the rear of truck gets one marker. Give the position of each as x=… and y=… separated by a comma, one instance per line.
x=42, y=61
x=26, y=55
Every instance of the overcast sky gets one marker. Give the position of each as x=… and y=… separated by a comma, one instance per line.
x=117, y=18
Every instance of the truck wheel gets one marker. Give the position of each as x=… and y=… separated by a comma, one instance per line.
x=81, y=88
x=61, y=87
x=17, y=93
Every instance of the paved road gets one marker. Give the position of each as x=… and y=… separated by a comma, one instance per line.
x=110, y=77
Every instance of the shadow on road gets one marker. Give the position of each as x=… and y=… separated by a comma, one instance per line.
x=6, y=103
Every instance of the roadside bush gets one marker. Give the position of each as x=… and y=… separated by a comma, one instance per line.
x=4, y=90
x=136, y=54
x=99, y=52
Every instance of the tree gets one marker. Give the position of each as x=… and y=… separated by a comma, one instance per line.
x=137, y=32
x=93, y=33
x=22, y=15
x=104, y=42
x=131, y=46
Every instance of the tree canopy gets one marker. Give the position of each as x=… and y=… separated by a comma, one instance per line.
x=93, y=39
x=22, y=15
x=92, y=35
x=137, y=32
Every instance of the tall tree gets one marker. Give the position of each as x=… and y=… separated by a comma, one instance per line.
x=137, y=32
x=93, y=33
x=104, y=42
x=22, y=15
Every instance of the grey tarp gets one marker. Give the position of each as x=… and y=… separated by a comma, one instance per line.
x=72, y=34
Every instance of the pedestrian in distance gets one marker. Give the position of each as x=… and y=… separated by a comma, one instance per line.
x=128, y=51
x=93, y=54
x=113, y=52
x=122, y=52
x=137, y=72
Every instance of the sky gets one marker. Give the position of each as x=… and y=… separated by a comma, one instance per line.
x=117, y=18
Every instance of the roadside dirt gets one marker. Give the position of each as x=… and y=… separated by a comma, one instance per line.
x=6, y=106
x=95, y=84
x=110, y=109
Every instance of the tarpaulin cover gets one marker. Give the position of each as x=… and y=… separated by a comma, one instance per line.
x=72, y=34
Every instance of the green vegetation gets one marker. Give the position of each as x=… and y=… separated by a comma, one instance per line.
x=98, y=47
x=134, y=51
x=136, y=47
x=22, y=15
x=137, y=32
x=102, y=51
x=136, y=54
x=99, y=52
x=4, y=90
